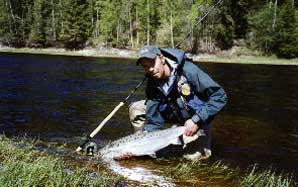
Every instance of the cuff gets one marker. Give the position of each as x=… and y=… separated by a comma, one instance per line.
x=195, y=118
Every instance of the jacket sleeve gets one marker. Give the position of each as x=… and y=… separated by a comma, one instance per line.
x=154, y=120
x=213, y=94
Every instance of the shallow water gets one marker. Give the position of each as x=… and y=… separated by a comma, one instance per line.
x=61, y=99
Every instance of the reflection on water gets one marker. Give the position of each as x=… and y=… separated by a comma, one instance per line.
x=60, y=99
x=140, y=172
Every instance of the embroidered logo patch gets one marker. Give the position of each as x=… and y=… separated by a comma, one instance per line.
x=185, y=89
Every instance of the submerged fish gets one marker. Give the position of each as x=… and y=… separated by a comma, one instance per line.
x=147, y=143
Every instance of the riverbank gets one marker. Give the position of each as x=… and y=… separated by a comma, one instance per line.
x=22, y=164
x=236, y=55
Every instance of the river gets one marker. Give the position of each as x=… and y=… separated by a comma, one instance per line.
x=62, y=99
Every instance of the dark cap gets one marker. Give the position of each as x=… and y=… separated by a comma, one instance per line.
x=148, y=51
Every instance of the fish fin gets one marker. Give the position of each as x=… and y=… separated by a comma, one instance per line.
x=153, y=155
x=188, y=139
x=201, y=132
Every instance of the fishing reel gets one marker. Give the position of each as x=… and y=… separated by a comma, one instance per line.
x=90, y=148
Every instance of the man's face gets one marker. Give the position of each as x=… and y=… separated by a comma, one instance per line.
x=155, y=68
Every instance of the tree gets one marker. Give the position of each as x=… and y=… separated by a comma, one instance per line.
x=286, y=32
x=75, y=24
x=6, y=25
x=51, y=15
x=15, y=19
x=225, y=27
x=108, y=20
x=37, y=33
x=261, y=28
x=275, y=29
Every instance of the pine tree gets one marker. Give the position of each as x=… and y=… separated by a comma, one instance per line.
x=37, y=33
x=200, y=32
x=224, y=29
x=6, y=26
x=14, y=20
x=262, y=30
x=125, y=27
x=108, y=20
x=287, y=32
x=142, y=22
x=275, y=29
x=74, y=24
x=174, y=22
x=91, y=14
x=51, y=19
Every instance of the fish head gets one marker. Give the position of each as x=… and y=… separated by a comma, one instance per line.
x=90, y=148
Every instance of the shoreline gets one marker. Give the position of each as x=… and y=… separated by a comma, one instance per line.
x=224, y=57
x=24, y=164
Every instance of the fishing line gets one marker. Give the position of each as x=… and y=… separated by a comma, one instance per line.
x=198, y=22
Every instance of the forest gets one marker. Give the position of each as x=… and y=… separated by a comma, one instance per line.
x=270, y=26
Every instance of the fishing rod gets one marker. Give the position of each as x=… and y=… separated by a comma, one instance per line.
x=95, y=131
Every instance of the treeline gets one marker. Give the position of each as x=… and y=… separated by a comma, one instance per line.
x=268, y=25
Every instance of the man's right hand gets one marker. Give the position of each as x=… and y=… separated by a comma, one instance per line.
x=191, y=128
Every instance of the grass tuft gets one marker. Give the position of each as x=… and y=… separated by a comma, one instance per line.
x=220, y=174
x=22, y=165
x=266, y=179
x=198, y=173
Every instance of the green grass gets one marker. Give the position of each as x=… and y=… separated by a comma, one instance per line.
x=202, y=174
x=244, y=55
x=220, y=174
x=266, y=179
x=22, y=165
x=250, y=60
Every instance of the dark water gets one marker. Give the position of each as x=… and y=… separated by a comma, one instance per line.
x=60, y=99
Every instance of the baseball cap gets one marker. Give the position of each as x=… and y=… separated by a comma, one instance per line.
x=148, y=51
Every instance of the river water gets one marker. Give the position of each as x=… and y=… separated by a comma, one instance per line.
x=62, y=99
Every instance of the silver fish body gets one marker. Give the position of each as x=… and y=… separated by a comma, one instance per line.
x=146, y=143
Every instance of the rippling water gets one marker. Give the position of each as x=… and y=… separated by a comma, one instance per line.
x=60, y=99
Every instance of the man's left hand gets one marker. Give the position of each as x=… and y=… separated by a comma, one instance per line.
x=191, y=128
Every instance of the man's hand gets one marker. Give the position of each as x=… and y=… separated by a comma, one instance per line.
x=191, y=128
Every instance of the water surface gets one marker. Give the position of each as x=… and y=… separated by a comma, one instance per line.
x=62, y=99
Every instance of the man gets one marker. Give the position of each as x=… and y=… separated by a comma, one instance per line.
x=177, y=91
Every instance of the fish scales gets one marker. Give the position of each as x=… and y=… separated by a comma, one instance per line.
x=144, y=143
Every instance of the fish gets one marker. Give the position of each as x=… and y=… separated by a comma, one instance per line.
x=147, y=143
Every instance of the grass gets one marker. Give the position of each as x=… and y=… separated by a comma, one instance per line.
x=92, y=52
x=250, y=60
x=220, y=174
x=266, y=179
x=236, y=55
x=244, y=55
x=22, y=165
x=200, y=174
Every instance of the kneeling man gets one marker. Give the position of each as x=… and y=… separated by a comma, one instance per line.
x=178, y=92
